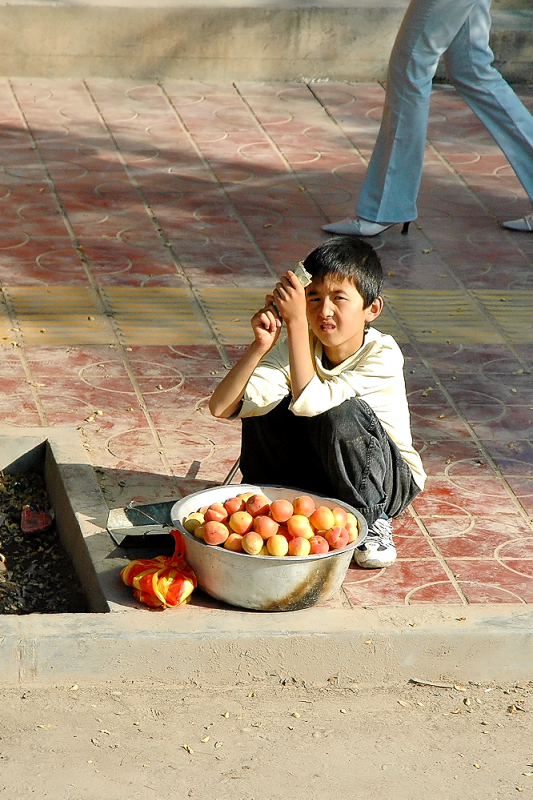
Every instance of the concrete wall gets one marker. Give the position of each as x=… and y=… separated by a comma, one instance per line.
x=235, y=40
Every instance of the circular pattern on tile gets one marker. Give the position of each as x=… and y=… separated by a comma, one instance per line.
x=59, y=170
x=139, y=238
x=64, y=261
x=350, y=172
x=145, y=91
x=481, y=407
x=336, y=97
x=234, y=114
x=111, y=376
x=443, y=519
x=181, y=447
x=232, y=173
x=9, y=242
x=5, y=191
x=449, y=594
x=258, y=152
x=516, y=551
x=274, y=117
x=87, y=217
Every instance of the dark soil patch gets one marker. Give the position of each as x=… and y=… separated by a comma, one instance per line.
x=36, y=574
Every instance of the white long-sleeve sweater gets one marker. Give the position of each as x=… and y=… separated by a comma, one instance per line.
x=374, y=373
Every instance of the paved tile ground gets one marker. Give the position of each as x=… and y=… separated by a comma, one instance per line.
x=140, y=226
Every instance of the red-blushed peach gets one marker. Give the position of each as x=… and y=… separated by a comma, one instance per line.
x=319, y=545
x=299, y=525
x=353, y=530
x=340, y=516
x=265, y=526
x=304, y=505
x=337, y=537
x=233, y=504
x=216, y=513
x=257, y=504
x=241, y=522
x=198, y=532
x=234, y=543
x=281, y=510
x=299, y=546
x=322, y=519
x=277, y=546
x=252, y=543
x=192, y=521
x=245, y=496
x=215, y=532
x=284, y=531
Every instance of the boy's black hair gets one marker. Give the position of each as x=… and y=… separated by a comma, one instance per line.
x=350, y=258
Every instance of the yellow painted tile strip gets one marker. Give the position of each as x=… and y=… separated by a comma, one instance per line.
x=69, y=315
x=59, y=315
x=438, y=316
x=157, y=316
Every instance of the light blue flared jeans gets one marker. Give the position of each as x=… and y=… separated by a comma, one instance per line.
x=458, y=30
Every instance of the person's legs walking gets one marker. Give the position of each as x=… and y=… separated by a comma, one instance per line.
x=468, y=63
x=391, y=184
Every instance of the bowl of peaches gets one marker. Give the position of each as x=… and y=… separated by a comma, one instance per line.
x=268, y=548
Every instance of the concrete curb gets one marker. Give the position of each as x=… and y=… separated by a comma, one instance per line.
x=214, y=648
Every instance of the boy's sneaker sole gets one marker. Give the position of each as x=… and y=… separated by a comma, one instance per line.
x=378, y=550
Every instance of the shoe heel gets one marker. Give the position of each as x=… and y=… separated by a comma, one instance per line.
x=405, y=228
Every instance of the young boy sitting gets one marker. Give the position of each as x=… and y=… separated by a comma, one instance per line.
x=324, y=408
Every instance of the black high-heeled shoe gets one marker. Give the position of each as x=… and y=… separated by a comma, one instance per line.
x=361, y=227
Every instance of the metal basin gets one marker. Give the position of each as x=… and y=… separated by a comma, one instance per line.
x=263, y=583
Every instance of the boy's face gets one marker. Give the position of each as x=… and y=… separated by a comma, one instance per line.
x=337, y=317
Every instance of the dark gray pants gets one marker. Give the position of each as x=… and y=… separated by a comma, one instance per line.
x=343, y=453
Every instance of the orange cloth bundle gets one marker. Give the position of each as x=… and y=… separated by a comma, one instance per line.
x=163, y=581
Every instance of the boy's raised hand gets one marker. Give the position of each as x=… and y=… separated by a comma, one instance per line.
x=266, y=325
x=289, y=297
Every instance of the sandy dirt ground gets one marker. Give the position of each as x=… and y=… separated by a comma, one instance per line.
x=264, y=741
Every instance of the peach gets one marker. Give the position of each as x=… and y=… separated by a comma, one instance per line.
x=283, y=531
x=233, y=504
x=192, y=521
x=241, y=522
x=199, y=531
x=299, y=546
x=299, y=525
x=304, y=505
x=277, y=546
x=337, y=538
x=353, y=530
x=318, y=545
x=322, y=519
x=281, y=510
x=215, y=532
x=245, y=496
x=234, y=542
x=340, y=516
x=265, y=526
x=264, y=550
x=203, y=509
x=216, y=513
x=351, y=517
x=257, y=504
x=252, y=543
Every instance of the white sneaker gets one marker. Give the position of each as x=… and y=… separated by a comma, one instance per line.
x=378, y=550
x=523, y=224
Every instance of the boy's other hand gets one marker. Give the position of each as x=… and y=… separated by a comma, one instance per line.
x=266, y=325
x=289, y=296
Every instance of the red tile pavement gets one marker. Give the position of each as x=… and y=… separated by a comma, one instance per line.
x=110, y=189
